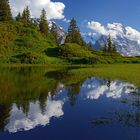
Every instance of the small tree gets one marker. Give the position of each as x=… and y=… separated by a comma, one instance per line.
x=43, y=25
x=74, y=35
x=114, y=49
x=5, y=11
x=105, y=47
x=90, y=46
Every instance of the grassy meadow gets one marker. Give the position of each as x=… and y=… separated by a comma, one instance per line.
x=125, y=72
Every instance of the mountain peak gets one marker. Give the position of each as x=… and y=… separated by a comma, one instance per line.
x=126, y=39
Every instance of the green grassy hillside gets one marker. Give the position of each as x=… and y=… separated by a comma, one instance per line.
x=23, y=43
x=76, y=54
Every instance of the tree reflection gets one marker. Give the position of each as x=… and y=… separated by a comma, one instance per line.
x=4, y=115
x=73, y=93
x=30, y=92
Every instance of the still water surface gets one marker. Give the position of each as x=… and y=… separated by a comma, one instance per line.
x=41, y=103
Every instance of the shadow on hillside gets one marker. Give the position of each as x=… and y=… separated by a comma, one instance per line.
x=52, y=52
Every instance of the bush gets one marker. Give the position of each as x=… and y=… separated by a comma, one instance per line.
x=30, y=58
x=74, y=50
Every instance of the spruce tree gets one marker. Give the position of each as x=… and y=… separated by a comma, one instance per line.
x=74, y=35
x=5, y=11
x=110, y=44
x=43, y=25
x=26, y=15
x=18, y=17
x=114, y=49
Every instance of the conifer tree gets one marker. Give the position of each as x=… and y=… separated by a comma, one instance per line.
x=5, y=11
x=114, y=49
x=110, y=44
x=18, y=17
x=26, y=15
x=74, y=35
x=43, y=25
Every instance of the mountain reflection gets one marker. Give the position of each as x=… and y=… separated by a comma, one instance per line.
x=30, y=97
x=93, y=88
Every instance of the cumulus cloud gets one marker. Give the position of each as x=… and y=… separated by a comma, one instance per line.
x=97, y=27
x=55, y=10
x=115, y=30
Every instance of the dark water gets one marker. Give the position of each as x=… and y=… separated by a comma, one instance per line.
x=50, y=104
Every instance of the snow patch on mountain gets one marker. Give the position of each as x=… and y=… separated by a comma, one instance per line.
x=127, y=39
x=60, y=32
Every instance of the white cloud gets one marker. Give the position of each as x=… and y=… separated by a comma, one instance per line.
x=66, y=20
x=97, y=27
x=55, y=10
x=114, y=29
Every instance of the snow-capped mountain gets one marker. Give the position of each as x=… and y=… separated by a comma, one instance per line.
x=93, y=88
x=124, y=46
x=126, y=39
x=60, y=32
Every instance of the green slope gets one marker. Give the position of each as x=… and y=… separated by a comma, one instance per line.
x=21, y=43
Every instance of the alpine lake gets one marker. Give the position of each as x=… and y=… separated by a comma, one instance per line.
x=100, y=102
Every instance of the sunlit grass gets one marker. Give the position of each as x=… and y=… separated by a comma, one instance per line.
x=125, y=72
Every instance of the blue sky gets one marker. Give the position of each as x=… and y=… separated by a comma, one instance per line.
x=126, y=12
x=94, y=17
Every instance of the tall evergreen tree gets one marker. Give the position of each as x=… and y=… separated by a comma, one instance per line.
x=18, y=17
x=5, y=11
x=43, y=25
x=74, y=35
x=26, y=15
x=110, y=44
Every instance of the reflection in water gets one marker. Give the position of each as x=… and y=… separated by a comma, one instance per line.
x=94, y=88
x=18, y=120
x=30, y=97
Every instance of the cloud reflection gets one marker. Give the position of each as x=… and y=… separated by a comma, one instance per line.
x=94, y=88
x=19, y=121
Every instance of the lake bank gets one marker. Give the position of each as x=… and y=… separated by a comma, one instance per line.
x=125, y=72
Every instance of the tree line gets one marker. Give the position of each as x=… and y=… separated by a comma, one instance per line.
x=73, y=33
x=24, y=17
x=109, y=46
